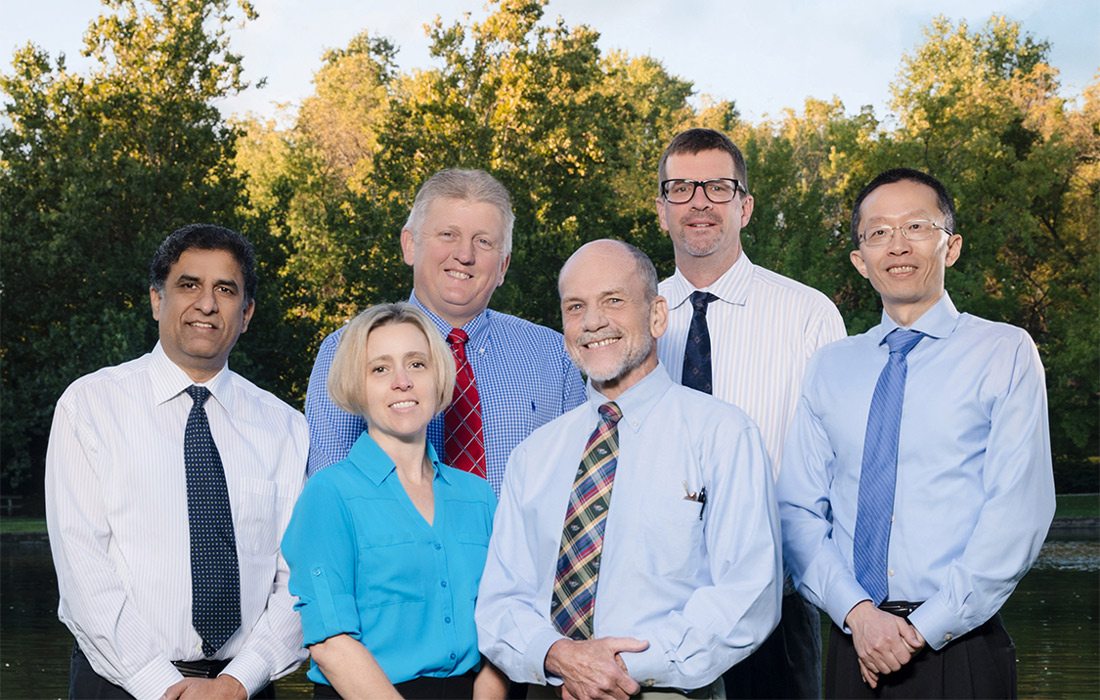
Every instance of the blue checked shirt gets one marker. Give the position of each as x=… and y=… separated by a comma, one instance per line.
x=524, y=378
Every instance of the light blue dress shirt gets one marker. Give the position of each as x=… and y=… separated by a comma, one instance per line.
x=365, y=563
x=975, y=489
x=700, y=582
x=524, y=379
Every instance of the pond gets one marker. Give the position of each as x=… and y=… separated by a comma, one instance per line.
x=1052, y=617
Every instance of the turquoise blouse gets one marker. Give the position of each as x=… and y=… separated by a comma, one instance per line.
x=365, y=563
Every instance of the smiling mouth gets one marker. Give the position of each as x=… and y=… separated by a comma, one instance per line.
x=459, y=275
x=901, y=269
x=201, y=324
x=602, y=343
x=404, y=404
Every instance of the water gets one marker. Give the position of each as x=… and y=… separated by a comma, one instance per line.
x=1052, y=617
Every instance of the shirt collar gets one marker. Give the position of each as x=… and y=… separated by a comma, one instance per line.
x=477, y=328
x=637, y=401
x=373, y=461
x=169, y=380
x=937, y=322
x=732, y=287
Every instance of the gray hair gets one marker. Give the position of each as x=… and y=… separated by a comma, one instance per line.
x=468, y=185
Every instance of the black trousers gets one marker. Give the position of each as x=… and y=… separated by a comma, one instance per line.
x=979, y=664
x=422, y=688
x=788, y=663
x=86, y=684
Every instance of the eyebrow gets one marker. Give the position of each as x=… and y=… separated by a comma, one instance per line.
x=217, y=283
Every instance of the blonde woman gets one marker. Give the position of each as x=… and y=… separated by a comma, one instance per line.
x=386, y=547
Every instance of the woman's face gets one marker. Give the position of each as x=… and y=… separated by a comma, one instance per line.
x=401, y=391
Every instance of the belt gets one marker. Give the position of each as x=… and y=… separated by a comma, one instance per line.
x=901, y=608
x=201, y=668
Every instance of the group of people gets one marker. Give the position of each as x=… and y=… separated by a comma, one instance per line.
x=654, y=503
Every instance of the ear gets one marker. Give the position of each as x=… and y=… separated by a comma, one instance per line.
x=248, y=311
x=504, y=263
x=856, y=256
x=658, y=316
x=747, y=203
x=408, y=246
x=155, y=299
x=662, y=213
x=954, y=249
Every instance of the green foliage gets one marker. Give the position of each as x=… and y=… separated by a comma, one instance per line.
x=97, y=168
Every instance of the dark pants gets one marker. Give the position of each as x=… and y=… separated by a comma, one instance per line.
x=979, y=664
x=85, y=683
x=788, y=663
x=422, y=688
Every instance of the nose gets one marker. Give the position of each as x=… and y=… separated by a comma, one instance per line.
x=899, y=244
x=402, y=380
x=699, y=199
x=594, y=318
x=464, y=251
x=207, y=301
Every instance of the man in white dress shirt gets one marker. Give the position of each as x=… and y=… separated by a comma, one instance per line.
x=763, y=328
x=124, y=475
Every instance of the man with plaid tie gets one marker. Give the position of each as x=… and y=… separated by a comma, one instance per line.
x=635, y=548
x=512, y=375
x=916, y=487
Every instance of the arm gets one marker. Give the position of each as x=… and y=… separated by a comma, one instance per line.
x=573, y=388
x=274, y=644
x=351, y=669
x=1019, y=503
x=332, y=430
x=490, y=683
x=722, y=623
x=594, y=668
x=94, y=602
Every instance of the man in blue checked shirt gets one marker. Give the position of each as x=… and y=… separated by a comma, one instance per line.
x=458, y=240
x=916, y=487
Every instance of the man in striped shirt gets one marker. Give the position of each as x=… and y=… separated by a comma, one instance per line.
x=763, y=328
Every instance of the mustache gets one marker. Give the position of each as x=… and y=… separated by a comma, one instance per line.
x=588, y=338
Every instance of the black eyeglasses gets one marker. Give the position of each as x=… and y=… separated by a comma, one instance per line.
x=718, y=191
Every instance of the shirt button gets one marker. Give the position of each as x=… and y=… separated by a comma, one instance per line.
x=452, y=657
x=443, y=584
x=447, y=620
x=948, y=637
x=316, y=572
x=890, y=571
x=438, y=546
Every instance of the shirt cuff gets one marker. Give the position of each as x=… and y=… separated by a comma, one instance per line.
x=649, y=668
x=847, y=595
x=936, y=623
x=535, y=658
x=152, y=680
x=250, y=669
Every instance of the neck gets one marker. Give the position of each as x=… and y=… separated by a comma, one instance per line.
x=410, y=457
x=701, y=272
x=907, y=314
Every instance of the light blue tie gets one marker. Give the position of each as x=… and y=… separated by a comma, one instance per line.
x=879, y=471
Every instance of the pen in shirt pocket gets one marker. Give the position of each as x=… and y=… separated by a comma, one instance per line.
x=699, y=497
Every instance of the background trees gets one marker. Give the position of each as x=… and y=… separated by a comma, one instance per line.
x=96, y=169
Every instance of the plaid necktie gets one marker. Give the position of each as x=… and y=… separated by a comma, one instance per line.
x=696, y=374
x=879, y=471
x=215, y=577
x=464, y=443
x=574, y=596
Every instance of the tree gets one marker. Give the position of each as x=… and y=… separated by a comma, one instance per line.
x=96, y=169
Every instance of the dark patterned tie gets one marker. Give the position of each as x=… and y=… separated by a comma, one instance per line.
x=879, y=471
x=696, y=372
x=215, y=577
x=578, y=568
x=464, y=442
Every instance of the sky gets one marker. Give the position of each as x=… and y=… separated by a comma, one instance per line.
x=765, y=56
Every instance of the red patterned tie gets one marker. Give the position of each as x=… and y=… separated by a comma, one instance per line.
x=464, y=442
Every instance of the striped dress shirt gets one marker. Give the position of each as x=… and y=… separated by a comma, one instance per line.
x=763, y=329
x=116, y=510
x=524, y=379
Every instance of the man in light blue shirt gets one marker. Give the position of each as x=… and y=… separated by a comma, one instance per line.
x=458, y=240
x=974, y=490
x=688, y=570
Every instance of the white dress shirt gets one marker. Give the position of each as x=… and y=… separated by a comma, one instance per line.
x=764, y=328
x=698, y=578
x=116, y=509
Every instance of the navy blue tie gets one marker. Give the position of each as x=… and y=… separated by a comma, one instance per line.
x=696, y=372
x=879, y=471
x=215, y=577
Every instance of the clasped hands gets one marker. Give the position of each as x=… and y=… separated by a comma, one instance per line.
x=883, y=642
x=593, y=668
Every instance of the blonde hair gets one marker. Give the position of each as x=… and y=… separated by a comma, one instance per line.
x=349, y=366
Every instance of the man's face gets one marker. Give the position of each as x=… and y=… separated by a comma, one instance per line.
x=610, y=328
x=699, y=228
x=201, y=311
x=908, y=274
x=457, y=258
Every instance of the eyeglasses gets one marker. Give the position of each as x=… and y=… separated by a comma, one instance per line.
x=916, y=230
x=718, y=191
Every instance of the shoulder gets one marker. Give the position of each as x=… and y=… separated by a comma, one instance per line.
x=513, y=329
x=974, y=328
x=699, y=409
x=271, y=408
x=549, y=434
x=792, y=290
x=126, y=378
x=468, y=485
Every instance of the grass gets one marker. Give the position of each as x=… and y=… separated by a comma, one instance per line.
x=1070, y=505
x=1078, y=505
